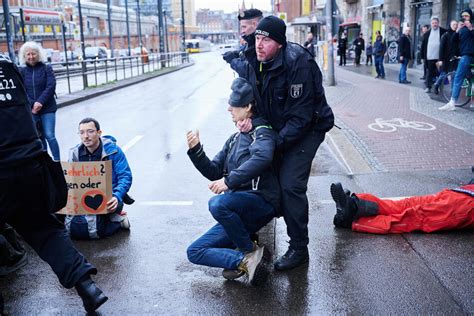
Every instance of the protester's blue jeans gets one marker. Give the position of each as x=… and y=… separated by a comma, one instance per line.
x=402, y=76
x=378, y=60
x=463, y=67
x=440, y=81
x=48, y=123
x=238, y=214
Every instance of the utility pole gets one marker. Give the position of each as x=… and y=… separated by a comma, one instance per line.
x=182, y=27
x=8, y=30
x=160, y=26
x=128, y=27
x=166, y=31
x=83, y=46
x=109, y=17
x=329, y=20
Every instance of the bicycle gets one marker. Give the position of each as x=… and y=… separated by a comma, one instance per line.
x=467, y=92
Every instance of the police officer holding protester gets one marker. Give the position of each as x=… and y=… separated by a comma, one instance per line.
x=29, y=194
x=289, y=94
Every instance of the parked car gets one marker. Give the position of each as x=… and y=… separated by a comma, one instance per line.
x=71, y=57
x=95, y=52
x=52, y=55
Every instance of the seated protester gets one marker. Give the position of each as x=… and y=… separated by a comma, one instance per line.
x=242, y=170
x=446, y=210
x=95, y=147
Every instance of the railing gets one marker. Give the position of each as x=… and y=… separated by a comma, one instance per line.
x=96, y=72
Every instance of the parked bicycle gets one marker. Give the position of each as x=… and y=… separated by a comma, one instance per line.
x=465, y=97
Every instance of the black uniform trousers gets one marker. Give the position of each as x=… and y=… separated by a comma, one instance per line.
x=23, y=205
x=342, y=57
x=294, y=165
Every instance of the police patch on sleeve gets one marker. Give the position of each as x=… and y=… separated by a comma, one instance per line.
x=296, y=90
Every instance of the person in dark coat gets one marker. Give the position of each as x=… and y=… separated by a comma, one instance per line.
x=422, y=51
x=243, y=171
x=430, y=47
x=40, y=85
x=25, y=188
x=342, y=48
x=369, y=50
x=379, y=52
x=289, y=94
x=404, y=46
x=359, y=46
x=447, y=52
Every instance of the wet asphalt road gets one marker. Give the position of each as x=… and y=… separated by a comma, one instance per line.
x=145, y=271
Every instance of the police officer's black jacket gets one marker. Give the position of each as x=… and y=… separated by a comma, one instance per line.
x=18, y=136
x=245, y=162
x=290, y=94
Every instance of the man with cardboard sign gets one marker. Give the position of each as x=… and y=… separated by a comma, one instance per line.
x=101, y=211
x=90, y=187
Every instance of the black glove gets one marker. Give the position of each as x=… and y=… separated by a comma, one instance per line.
x=229, y=56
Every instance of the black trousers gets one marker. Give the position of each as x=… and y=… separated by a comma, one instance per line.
x=357, y=59
x=369, y=59
x=342, y=57
x=294, y=169
x=23, y=205
x=431, y=72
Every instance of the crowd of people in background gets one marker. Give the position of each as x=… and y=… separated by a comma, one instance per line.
x=442, y=51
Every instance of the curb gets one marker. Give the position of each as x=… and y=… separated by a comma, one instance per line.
x=83, y=95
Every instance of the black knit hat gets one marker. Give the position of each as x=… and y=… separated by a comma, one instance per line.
x=272, y=27
x=468, y=11
x=250, y=14
x=242, y=93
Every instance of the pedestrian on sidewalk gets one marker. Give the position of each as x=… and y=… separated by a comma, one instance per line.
x=243, y=172
x=404, y=46
x=359, y=46
x=464, y=37
x=288, y=88
x=29, y=195
x=379, y=52
x=431, y=43
x=40, y=84
x=369, y=51
x=448, y=209
x=447, y=52
x=95, y=147
x=342, y=48
x=422, y=50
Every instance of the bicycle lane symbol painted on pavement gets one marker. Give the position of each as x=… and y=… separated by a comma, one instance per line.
x=388, y=126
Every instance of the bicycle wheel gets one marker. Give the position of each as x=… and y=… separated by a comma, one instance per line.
x=446, y=89
x=382, y=127
x=421, y=126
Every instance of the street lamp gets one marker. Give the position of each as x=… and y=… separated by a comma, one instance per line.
x=182, y=27
x=83, y=47
x=166, y=31
x=128, y=27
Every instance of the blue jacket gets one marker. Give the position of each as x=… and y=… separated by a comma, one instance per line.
x=121, y=173
x=40, y=85
x=245, y=162
x=379, y=46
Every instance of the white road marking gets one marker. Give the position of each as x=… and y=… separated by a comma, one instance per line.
x=166, y=203
x=341, y=156
x=396, y=198
x=132, y=142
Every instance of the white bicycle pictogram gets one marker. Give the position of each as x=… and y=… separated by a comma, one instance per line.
x=388, y=126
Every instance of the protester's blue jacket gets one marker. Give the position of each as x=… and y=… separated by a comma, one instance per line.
x=40, y=85
x=245, y=163
x=379, y=47
x=121, y=173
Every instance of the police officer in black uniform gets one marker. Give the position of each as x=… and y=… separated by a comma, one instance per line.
x=24, y=191
x=290, y=95
x=248, y=23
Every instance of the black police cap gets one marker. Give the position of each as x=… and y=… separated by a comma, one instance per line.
x=250, y=14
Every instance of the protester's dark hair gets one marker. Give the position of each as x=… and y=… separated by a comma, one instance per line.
x=90, y=119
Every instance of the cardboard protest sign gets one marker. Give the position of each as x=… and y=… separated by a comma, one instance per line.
x=89, y=187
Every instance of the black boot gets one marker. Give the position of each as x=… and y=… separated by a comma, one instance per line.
x=292, y=259
x=346, y=207
x=92, y=297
